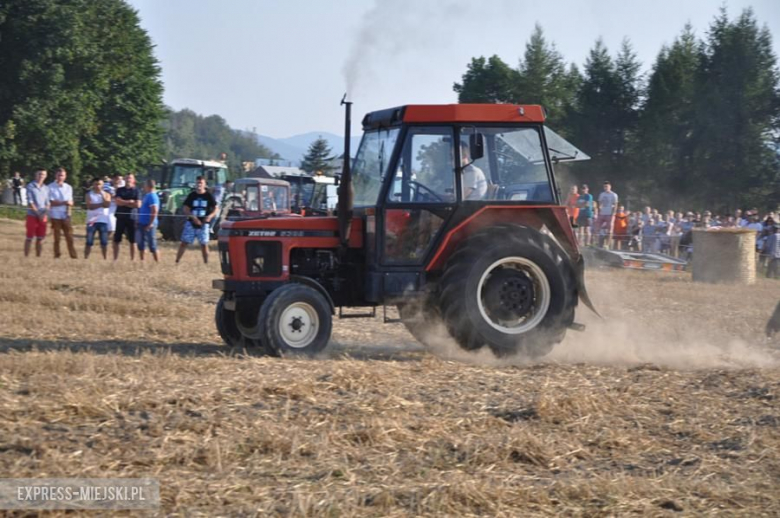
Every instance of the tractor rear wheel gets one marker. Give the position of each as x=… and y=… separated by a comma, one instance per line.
x=295, y=320
x=229, y=331
x=510, y=288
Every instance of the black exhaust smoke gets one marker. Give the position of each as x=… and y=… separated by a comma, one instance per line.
x=345, y=188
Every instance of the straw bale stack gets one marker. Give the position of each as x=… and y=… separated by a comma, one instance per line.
x=724, y=256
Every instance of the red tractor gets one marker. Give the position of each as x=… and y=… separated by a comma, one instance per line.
x=449, y=212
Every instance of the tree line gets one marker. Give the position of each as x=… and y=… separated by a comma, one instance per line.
x=80, y=88
x=189, y=135
x=701, y=129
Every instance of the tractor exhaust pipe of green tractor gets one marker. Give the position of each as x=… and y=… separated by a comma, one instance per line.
x=344, y=208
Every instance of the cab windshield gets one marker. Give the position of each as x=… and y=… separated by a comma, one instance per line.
x=371, y=164
x=185, y=175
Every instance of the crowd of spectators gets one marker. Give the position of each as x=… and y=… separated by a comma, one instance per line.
x=605, y=223
x=116, y=210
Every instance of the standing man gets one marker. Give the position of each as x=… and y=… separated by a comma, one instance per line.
x=61, y=199
x=98, y=201
x=585, y=217
x=608, y=203
x=200, y=207
x=146, y=231
x=128, y=200
x=37, y=212
x=17, y=183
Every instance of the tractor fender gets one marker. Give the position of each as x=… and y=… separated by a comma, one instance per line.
x=579, y=269
x=308, y=281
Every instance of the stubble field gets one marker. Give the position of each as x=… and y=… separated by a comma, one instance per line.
x=670, y=405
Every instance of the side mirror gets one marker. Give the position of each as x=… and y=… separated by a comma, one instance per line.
x=336, y=179
x=476, y=146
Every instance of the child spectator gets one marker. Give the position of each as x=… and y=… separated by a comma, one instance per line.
x=620, y=229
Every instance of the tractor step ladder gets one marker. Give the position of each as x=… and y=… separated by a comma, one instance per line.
x=388, y=320
x=372, y=314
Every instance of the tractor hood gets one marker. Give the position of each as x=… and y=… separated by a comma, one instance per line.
x=293, y=226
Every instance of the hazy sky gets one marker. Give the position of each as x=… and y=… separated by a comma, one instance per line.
x=281, y=66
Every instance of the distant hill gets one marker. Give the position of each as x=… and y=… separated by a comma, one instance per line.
x=295, y=147
x=284, y=150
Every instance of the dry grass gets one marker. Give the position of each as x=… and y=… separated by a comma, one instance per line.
x=116, y=371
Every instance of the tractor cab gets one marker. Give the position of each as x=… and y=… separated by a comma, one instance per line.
x=254, y=197
x=448, y=212
x=420, y=168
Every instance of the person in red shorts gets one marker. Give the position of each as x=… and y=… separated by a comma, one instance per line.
x=37, y=212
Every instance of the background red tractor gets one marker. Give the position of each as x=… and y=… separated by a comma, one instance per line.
x=450, y=212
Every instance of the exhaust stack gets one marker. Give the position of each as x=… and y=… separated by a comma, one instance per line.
x=345, y=188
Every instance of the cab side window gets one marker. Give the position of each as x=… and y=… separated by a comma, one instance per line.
x=426, y=168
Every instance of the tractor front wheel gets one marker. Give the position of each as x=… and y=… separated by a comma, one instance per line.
x=295, y=320
x=510, y=288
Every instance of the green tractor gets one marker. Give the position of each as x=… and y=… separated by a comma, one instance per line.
x=176, y=181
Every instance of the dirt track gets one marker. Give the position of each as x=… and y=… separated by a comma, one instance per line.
x=115, y=371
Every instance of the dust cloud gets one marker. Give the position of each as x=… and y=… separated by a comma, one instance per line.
x=643, y=326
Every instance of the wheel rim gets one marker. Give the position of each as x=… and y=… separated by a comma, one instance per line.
x=298, y=325
x=513, y=295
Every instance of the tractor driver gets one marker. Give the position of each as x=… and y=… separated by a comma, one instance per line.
x=474, y=180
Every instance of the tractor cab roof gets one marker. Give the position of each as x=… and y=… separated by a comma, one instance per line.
x=261, y=181
x=454, y=114
x=198, y=163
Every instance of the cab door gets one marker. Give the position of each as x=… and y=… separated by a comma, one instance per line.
x=421, y=196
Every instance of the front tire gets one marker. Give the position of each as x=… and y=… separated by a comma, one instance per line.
x=510, y=288
x=295, y=320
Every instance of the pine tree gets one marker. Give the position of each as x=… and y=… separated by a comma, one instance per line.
x=737, y=112
x=317, y=158
x=667, y=121
x=606, y=113
x=543, y=78
x=593, y=120
x=487, y=81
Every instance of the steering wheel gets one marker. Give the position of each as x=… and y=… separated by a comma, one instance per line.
x=421, y=187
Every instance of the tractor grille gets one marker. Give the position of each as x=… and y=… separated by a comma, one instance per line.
x=224, y=259
x=264, y=258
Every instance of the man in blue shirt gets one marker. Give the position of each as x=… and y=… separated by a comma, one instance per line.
x=146, y=230
x=585, y=217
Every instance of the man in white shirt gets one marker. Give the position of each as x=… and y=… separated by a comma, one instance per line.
x=608, y=202
x=61, y=200
x=474, y=180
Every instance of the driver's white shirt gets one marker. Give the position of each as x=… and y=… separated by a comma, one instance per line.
x=474, y=178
